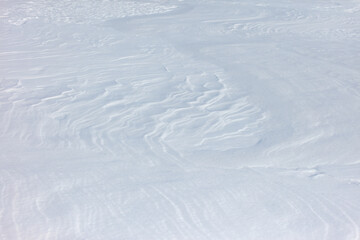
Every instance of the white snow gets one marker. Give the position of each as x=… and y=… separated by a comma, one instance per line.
x=179, y=119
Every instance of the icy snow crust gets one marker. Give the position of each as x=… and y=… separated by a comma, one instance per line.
x=179, y=119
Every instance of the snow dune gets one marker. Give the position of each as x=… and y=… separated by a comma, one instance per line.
x=179, y=119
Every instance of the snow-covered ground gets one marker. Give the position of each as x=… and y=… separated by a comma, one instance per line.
x=179, y=119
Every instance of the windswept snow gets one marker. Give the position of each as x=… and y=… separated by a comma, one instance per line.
x=80, y=11
x=176, y=119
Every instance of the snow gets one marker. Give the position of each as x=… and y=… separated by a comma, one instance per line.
x=170, y=119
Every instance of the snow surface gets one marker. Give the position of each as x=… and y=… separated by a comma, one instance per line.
x=170, y=119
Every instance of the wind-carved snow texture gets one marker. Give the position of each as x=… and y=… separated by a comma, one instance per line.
x=179, y=120
x=81, y=11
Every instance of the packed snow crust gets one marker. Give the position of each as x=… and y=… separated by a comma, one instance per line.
x=179, y=119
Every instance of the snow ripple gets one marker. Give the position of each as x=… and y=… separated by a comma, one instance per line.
x=81, y=11
x=220, y=120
